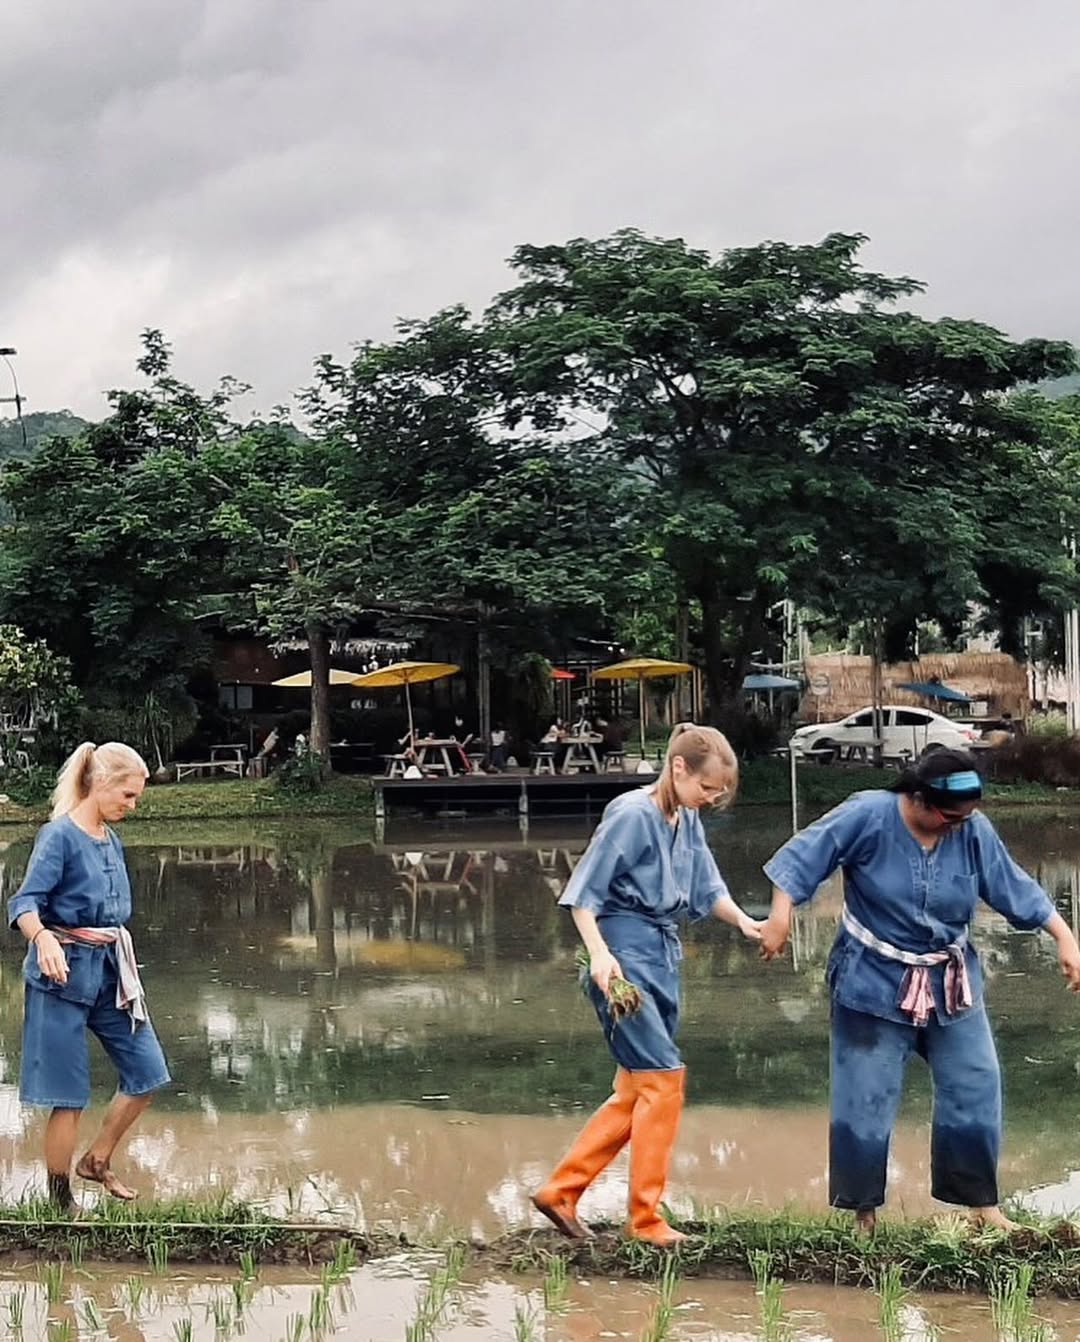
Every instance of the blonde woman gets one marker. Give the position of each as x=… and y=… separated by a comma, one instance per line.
x=80, y=968
x=647, y=865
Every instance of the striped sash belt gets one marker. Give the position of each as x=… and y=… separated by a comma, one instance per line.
x=916, y=993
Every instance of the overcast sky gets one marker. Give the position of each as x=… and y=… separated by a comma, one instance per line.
x=268, y=180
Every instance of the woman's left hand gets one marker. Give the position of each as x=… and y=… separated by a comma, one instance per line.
x=1069, y=959
x=750, y=927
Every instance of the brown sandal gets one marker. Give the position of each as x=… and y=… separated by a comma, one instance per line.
x=98, y=1172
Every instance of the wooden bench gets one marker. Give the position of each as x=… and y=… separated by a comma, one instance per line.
x=197, y=768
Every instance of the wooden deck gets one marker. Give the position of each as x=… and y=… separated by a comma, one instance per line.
x=519, y=794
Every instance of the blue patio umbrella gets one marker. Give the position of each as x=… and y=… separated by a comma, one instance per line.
x=767, y=682
x=933, y=689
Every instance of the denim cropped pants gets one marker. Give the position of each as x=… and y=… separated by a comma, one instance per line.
x=869, y=1056
x=648, y=953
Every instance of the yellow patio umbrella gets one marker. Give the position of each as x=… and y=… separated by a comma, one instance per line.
x=642, y=669
x=407, y=674
x=302, y=679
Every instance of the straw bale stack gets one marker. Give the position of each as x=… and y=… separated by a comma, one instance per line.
x=992, y=677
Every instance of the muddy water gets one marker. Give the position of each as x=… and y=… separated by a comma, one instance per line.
x=393, y=1028
x=377, y=1303
x=390, y=1029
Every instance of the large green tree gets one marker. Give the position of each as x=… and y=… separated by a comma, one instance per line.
x=794, y=427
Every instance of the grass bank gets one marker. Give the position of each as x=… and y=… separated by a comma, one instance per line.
x=232, y=798
x=768, y=782
x=165, y=1233
x=929, y=1255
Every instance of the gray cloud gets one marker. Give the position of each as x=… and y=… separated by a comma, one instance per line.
x=270, y=179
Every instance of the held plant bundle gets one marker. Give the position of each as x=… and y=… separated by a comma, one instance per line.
x=624, y=997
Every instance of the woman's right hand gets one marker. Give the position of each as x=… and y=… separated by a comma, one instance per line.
x=50, y=957
x=604, y=967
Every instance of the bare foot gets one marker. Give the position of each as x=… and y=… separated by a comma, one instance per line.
x=992, y=1218
x=865, y=1223
x=97, y=1171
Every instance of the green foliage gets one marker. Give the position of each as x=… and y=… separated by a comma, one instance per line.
x=303, y=773
x=794, y=434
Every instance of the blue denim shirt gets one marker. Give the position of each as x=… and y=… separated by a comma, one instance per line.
x=913, y=899
x=637, y=863
x=74, y=880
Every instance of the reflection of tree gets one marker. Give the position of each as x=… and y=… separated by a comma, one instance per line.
x=311, y=968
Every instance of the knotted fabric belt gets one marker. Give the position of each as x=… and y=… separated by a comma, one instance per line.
x=916, y=994
x=130, y=995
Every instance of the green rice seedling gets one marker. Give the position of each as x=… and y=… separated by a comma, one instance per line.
x=135, y=1290
x=658, y=1329
x=775, y=1326
x=344, y=1258
x=183, y=1330
x=16, y=1311
x=1010, y=1304
x=219, y=1310
x=59, y=1330
x=525, y=1327
x=249, y=1269
x=242, y=1292
x=555, y=1283
x=294, y=1328
x=760, y=1261
x=435, y=1303
x=76, y=1249
x=320, y=1313
x=52, y=1278
x=157, y=1255
x=891, y=1296
x=92, y=1315
x=624, y=998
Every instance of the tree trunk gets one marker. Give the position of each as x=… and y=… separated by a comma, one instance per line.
x=683, y=697
x=483, y=675
x=727, y=664
x=319, y=650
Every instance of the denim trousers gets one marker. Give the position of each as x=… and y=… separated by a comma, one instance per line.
x=648, y=953
x=869, y=1056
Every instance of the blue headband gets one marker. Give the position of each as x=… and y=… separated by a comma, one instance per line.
x=966, y=781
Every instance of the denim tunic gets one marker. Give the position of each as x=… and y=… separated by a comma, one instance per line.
x=915, y=900
x=639, y=875
x=74, y=880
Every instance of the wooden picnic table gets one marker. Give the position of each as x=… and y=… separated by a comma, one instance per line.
x=581, y=752
x=438, y=754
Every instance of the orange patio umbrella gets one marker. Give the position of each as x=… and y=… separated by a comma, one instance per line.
x=642, y=669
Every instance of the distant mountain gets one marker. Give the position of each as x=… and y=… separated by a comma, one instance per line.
x=19, y=439
x=1061, y=386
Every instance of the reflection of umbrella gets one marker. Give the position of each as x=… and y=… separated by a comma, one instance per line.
x=302, y=679
x=406, y=673
x=933, y=689
x=641, y=669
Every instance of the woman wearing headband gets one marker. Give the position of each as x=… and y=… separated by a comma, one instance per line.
x=904, y=978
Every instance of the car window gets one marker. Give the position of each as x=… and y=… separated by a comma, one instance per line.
x=911, y=717
x=862, y=719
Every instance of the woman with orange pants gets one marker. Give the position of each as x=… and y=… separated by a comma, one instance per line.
x=648, y=864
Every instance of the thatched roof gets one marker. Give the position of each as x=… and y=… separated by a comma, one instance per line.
x=992, y=677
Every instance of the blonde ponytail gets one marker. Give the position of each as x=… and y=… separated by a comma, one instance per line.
x=89, y=764
x=696, y=745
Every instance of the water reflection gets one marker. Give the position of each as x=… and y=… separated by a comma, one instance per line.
x=393, y=1026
